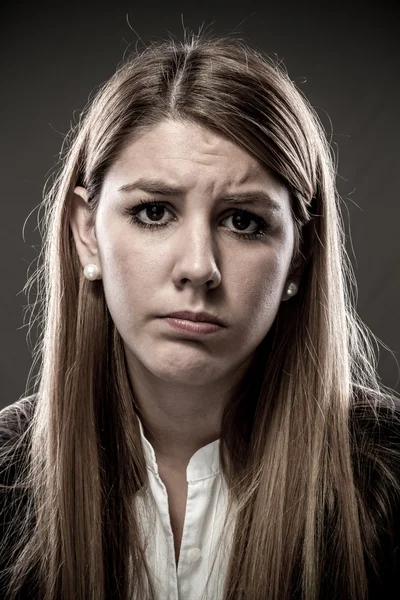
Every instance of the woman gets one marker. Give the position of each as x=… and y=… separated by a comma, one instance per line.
x=253, y=456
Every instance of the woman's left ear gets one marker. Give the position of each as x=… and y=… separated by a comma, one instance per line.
x=293, y=280
x=291, y=289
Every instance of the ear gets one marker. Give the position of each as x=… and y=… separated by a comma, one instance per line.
x=294, y=276
x=84, y=236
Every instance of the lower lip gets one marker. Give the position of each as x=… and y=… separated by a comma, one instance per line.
x=195, y=327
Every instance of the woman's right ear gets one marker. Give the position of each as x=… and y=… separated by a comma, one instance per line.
x=84, y=236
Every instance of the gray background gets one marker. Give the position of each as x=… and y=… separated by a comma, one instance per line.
x=344, y=58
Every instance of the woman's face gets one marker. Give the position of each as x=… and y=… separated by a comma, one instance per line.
x=195, y=257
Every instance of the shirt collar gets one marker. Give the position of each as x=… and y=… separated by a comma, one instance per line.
x=204, y=462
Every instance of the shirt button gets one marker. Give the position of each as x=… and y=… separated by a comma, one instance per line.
x=194, y=554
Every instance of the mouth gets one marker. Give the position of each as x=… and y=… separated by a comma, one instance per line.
x=188, y=327
x=196, y=317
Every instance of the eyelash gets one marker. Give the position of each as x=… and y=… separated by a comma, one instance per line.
x=133, y=218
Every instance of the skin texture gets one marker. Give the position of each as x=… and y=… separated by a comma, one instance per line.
x=197, y=262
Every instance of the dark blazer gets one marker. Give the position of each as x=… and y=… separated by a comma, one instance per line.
x=376, y=453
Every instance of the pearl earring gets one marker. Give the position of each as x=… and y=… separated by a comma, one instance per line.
x=291, y=289
x=91, y=272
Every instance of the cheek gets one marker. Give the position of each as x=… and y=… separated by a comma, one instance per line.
x=257, y=293
x=259, y=279
x=131, y=272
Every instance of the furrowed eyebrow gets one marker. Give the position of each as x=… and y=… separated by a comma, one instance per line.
x=155, y=186
x=152, y=186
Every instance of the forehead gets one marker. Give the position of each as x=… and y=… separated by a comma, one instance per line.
x=191, y=155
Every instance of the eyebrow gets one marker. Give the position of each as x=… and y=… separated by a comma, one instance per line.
x=156, y=186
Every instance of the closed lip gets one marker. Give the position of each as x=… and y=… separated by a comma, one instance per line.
x=203, y=317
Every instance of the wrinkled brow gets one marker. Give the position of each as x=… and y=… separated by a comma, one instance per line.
x=256, y=197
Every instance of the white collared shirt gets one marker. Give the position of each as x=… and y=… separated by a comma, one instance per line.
x=206, y=508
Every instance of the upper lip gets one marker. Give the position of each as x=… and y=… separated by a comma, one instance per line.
x=204, y=317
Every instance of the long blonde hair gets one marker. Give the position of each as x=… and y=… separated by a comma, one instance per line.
x=286, y=447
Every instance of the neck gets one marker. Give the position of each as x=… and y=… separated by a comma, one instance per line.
x=179, y=419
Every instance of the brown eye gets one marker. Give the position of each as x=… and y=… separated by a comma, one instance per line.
x=241, y=220
x=154, y=212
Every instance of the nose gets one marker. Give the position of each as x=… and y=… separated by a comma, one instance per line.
x=196, y=257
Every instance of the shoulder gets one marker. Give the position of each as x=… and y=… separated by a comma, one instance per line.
x=14, y=505
x=375, y=436
x=14, y=436
x=15, y=418
x=375, y=440
x=375, y=428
